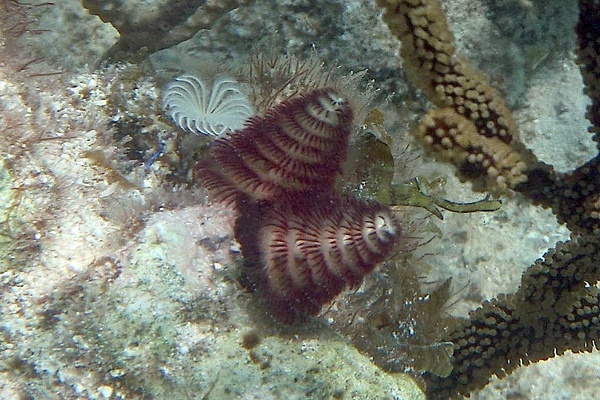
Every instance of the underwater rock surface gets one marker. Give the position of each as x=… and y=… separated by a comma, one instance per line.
x=118, y=279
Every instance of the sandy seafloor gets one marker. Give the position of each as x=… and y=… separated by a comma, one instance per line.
x=111, y=290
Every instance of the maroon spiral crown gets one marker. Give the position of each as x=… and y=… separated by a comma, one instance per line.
x=302, y=242
x=302, y=255
x=296, y=146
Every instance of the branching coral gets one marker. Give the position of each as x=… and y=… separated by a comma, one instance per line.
x=554, y=310
x=472, y=127
x=557, y=305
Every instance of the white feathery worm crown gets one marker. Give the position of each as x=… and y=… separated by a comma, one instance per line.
x=209, y=110
x=299, y=145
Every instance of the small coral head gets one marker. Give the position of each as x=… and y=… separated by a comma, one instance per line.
x=302, y=255
x=298, y=145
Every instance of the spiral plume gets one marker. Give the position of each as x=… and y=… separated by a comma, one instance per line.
x=203, y=109
x=301, y=255
x=296, y=146
x=302, y=242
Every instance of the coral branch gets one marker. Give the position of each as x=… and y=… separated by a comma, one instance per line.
x=557, y=307
x=555, y=310
x=472, y=121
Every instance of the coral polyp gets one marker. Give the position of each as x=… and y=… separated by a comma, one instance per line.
x=302, y=254
x=296, y=146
